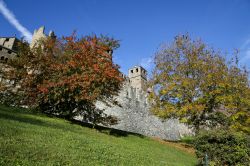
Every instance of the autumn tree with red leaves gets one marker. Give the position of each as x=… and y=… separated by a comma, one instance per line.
x=66, y=77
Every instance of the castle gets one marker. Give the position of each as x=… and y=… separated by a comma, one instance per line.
x=8, y=48
x=133, y=112
x=40, y=34
x=9, y=45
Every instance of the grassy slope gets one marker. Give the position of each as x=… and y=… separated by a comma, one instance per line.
x=29, y=139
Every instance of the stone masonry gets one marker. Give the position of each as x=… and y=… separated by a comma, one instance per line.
x=40, y=35
x=8, y=48
x=134, y=111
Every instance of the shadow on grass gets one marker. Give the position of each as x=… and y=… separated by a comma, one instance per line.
x=19, y=114
x=19, y=118
x=107, y=130
x=22, y=115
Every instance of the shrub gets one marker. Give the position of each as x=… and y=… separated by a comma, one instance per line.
x=188, y=139
x=223, y=147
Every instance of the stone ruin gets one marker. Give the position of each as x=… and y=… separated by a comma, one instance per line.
x=38, y=35
x=134, y=113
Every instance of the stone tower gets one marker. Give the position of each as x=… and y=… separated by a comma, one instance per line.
x=40, y=35
x=137, y=78
x=37, y=35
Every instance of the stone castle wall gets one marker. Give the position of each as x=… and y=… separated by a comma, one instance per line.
x=134, y=116
x=8, y=48
x=37, y=35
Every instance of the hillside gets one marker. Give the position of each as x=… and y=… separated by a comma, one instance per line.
x=33, y=139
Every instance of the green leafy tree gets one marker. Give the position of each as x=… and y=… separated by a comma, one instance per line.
x=194, y=83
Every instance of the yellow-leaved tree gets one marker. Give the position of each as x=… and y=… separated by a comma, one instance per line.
x=196, y=84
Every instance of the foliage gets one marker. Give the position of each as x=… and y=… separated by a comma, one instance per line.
x=188, y=140
x=66, y=77
x=195, y=84
x=34, y=139
x=223, y=147
x=12, y=75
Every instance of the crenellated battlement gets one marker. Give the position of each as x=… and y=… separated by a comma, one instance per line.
x=39, y=34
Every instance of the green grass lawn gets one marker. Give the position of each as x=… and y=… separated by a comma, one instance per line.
x=33, y=139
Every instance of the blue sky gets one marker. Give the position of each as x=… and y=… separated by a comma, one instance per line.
x=140, y=25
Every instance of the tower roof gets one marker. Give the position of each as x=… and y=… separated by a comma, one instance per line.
x=138, y=66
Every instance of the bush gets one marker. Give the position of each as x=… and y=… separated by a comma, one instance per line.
x=187, y=139
x=223, y=147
